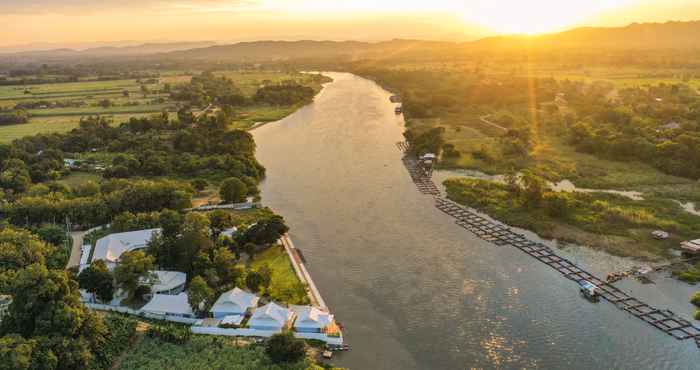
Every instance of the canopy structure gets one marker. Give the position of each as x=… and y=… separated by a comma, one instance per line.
x=234, y=302
x=271, y=317
x=112, y=246
x=312, y=319
x=171, y=305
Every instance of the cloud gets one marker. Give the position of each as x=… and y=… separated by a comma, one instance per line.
x=80, y=7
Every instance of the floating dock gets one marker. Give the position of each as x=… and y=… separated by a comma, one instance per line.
x=501, y=235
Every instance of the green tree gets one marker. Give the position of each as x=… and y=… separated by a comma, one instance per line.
x=132, y=270
x=200, y=296
x=97, y=279
x=233, y=190
x=16, y=352
x=284, y=347
x=254, y=280
x=15, y=175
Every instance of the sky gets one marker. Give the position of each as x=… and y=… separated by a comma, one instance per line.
x=83, y=22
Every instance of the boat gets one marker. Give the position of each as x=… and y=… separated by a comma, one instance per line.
x=590, y=291
x=337, y=347
x=327, y=355
x=398, y=110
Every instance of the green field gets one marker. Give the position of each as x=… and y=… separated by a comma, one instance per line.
x=285, y=283
x=49, y=125
x=202, y=352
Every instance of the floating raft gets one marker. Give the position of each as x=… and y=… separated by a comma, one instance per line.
x=501, y=235
x=420, y=177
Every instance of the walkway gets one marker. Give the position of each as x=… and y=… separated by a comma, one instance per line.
x=76, y=249
x=303, y=273
x=501, y=235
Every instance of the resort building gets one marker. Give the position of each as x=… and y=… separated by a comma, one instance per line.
x=112, y=246
x=166, y=282
x=312, y=320
x=271, y=317
x=234, y=302
x=169, y=305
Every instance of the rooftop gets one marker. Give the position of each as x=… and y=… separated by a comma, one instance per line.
x=112, y=246
x=169, y=304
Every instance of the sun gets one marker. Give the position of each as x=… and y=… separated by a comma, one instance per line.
x=535, y=16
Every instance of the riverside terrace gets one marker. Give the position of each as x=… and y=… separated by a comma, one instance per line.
x=501, y=235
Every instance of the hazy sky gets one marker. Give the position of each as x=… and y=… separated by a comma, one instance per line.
x=77, y=21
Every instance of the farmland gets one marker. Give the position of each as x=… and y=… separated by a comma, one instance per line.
x=58, y=107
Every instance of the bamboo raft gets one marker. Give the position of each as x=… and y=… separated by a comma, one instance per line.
x=501, y=235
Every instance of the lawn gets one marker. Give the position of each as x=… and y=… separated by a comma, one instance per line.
x=285, y=286
x=88, y=111
x=49, y=125
x=79, y=178
x=202, y=352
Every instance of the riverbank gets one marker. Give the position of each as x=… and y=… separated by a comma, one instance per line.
x=613, y=223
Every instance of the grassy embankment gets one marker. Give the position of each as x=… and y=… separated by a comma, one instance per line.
x=619, y=225
x=554, y=159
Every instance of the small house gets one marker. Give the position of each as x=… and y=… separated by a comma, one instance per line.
x=271, y=317
x=169, y=305
x=234, y=302
x=313, y=320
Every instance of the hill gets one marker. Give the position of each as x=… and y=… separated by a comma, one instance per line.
x=669, y=35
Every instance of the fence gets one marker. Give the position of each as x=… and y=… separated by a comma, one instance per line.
x=263, y=334
x=148, y=315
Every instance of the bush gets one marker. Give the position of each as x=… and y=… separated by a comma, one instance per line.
x=170, y=333
x=122, y=330
x=285, y=348
x=697, y=315
x=695, y=299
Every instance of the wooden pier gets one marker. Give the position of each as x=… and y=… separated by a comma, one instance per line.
x=502, y=235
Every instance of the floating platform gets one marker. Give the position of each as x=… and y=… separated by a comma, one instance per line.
x=502, y=235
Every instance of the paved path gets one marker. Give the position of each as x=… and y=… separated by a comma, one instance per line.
x=74, y=259
x=302, y=273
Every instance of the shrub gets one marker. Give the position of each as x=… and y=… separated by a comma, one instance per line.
x=170, y=333
x=285, y=348
x=122, y=330
x=695, y=299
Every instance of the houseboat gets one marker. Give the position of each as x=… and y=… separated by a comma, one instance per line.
x=590, y=291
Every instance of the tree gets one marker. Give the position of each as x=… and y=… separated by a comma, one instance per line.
x=200, y=296
x=199, y=184
x=266, y=232
x=133, y=268
x=15, y=175
x=220, y=221
x=97, y=279
x=46, y=307
x=284, y=347
x=105, y=103
x=249, y=249
x=254, y=280
x=266, y=275
x=233, y=190
x=53, y=234
x=16, y=352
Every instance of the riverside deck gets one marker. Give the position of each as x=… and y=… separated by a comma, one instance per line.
x=501, y=235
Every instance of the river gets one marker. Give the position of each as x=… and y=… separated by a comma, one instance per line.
x=414, y=290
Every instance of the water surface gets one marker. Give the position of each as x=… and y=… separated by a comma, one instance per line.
x=414, y=290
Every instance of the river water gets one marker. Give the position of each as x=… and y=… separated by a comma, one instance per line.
x=414, y=290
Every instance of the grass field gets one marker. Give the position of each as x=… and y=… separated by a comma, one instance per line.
x=49, y=125
x=285, y=283
x=79, y=178
x=202, y=352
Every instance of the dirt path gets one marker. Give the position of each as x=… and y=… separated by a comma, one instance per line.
x=485, y=119
x=74, y=259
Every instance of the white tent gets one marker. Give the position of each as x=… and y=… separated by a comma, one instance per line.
x=170, y=305
x=112, y=246
x=271, y=317
x=311, y=320
x=166, y=282
x=234, y=302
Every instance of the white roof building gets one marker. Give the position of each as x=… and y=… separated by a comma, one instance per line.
x=232, y=320
x=234, y=302
x=311, y=319
x=112, y=246
x=169, y=305
x=271, y=317
x=230, y=232
x=166, y=282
